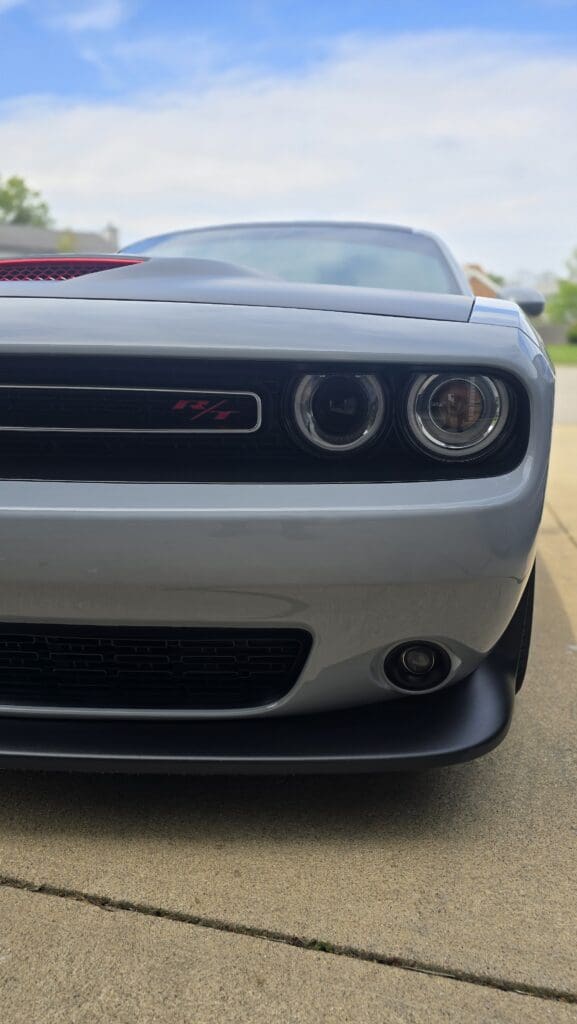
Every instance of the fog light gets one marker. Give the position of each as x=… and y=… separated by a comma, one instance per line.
x=418, y=660
x=417, y=666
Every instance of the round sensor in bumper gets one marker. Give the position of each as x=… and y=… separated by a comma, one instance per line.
x=417, y=666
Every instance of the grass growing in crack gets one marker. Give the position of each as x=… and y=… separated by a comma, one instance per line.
x=320, y=946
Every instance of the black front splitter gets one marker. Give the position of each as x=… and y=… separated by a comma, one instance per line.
x=457, y=724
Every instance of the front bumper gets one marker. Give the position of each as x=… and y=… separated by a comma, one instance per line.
x=360, y=567
x=457, y=724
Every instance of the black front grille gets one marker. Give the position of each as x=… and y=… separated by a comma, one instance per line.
x=93, y=410
x=114, y=667
x=270, y=453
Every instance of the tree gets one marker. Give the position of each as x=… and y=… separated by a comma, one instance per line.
x=20, y=204
x=497, y=278
x=562, y=305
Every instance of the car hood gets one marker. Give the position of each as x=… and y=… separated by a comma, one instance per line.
x=210, y=281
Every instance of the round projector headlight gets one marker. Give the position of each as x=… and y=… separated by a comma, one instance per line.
x=339, y=412
x=456, y=416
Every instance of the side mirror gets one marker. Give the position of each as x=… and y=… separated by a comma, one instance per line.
x=529, y=299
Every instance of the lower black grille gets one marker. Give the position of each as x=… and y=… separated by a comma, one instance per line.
x=114, y=667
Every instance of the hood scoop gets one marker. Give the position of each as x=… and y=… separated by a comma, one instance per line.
x=58, y=268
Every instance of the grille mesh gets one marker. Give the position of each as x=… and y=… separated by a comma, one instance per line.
x=153, y=668
x=56, y=269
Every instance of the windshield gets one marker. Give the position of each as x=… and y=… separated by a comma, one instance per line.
x=370, y=257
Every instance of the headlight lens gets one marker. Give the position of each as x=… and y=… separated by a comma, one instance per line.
x=456, y=416
x=339, y=412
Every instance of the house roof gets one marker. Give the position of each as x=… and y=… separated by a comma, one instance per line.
x=20, y=239
x=481, y=283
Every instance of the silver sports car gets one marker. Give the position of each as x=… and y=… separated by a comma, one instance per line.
x=269, y=501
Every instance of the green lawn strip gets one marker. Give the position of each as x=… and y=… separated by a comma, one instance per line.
x=563, y=355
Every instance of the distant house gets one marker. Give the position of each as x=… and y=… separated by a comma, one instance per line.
x=480, y=282
x=23, y=240
x=483, y=285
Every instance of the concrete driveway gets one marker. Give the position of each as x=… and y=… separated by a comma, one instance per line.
x=566, y=395
x=446, y=896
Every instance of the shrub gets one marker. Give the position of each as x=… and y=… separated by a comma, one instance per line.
x=572, y=334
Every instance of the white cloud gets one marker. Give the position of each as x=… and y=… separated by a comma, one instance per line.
x=90, y=15
x=189, y=58
x=473, y=136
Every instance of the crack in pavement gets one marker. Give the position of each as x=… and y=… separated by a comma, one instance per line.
x=564, y=529
x=316, y=945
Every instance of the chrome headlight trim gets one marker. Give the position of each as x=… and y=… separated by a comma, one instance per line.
x=447, y=444
x=310, y=430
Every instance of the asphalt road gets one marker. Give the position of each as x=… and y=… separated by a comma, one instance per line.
x=445, y=896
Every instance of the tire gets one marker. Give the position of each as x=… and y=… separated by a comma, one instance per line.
x=512, y=650
x=525, y=612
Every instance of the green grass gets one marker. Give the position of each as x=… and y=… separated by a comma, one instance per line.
x=563, y=355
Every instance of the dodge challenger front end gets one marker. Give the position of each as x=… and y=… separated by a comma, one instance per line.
x=249, y=524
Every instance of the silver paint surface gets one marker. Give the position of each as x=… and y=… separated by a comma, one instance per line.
x=362, y=566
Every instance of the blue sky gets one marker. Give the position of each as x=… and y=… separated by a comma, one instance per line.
x=100, y=48
x=161, y=114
